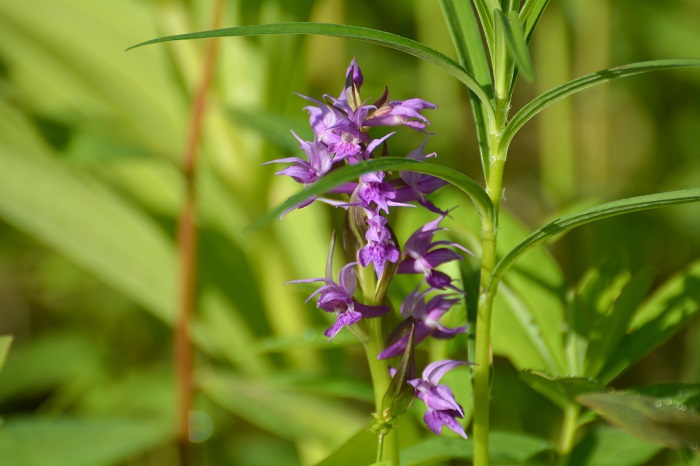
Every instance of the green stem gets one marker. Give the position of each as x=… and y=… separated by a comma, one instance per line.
x=568, y=434
x=387, y=445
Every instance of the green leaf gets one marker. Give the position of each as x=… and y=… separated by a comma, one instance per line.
x=472, y=56
x=684, y=393
x=612, y=326
x=89, y=225
x=560, y=390
x=579, y=84
x=609, y=446
x=77, y=442
x=668, y=310
x=291, y=415
x=5, y=343
x=530, y=15
x=663, y=422
x=375, y=36
x=517, y=43
x=359, y=449
x=485, y=10
x=352, y=172
x=504, y=447
x=610, y=209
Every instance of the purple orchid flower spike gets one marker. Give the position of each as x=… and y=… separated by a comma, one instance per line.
x=425, y=317
x=443, y=409
x=422, y=257
x=338, y=298
x=380, y=246
x=417, y=185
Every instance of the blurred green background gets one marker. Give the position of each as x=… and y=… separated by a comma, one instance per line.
x=90, y=141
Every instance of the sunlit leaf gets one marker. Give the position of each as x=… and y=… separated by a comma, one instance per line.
x=5, y=343
x=548, y=98
x=352, y=172
x=671, y=306
x=561, y=390
x=393, y=41
x=610, y=209
x=664, y=422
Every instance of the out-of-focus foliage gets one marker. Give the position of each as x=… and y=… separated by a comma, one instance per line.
x=90, y=141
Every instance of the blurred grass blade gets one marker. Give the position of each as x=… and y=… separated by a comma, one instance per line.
x=352, y=172
x=375, y=36
x=530, y=15
x=89, y=225
x=664, y=422
x=358, y=450
x=672, y=306
x=5, y=343
x=579, y=84
x=610, y=209
x=560, y=390
x=517, y=44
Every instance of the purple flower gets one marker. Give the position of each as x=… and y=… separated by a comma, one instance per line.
x=380, y=246
x=443, y=409
x=417, y=185
x=400, y=112
x=426, y=318
x=422, y=257
x=302, y=171
x=338, y=298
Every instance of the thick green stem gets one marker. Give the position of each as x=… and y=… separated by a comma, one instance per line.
x=483, y=357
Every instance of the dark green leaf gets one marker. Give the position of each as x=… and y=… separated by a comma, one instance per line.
x=609, y=446
x=561, y=390
x=352, y=172
x=684, y=393
x=77, y=442
x=548, y=98
x=663, y=422
x=386, y=39
x=505, y=447
x=610, y=209
x=517, y=43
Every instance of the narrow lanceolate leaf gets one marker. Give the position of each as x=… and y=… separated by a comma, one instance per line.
x=5, y=342
x=530, y=15
x=579, y=84
x=485, y=9
x=610, y=209
x=661, y=421
x=517, y=43
x=375, y=36
x=352, y=172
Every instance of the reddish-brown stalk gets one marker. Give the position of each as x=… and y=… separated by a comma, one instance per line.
x=187, y=247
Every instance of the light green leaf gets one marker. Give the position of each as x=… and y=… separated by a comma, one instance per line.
x=77, y=442
x=553, y=95
x=89, y=225
x=375, y=36
x=5, y=343
x=352, y=172
x=674, y=304
x=360, y=449
x=610, y=209
x=485, y=11
x=517, y=43
x=663, y=422
x=560, y=390
x=608, y=446
x=504, y=447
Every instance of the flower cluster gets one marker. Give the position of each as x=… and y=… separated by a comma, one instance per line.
x=341, y=136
